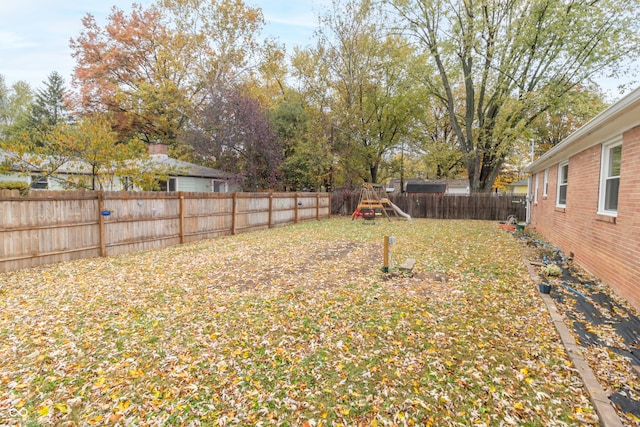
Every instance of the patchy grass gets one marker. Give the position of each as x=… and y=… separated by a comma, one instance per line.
x=291, y=326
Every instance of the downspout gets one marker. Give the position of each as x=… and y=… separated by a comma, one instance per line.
x=529, y=198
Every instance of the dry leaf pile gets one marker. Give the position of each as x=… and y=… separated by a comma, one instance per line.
x=293, y=326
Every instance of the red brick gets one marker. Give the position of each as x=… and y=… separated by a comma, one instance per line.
x=609, y=250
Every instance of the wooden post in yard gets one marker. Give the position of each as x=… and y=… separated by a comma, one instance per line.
x=181, y=204
x=385, y=256
x=317, y=206
x=296, y=203
x=103, y=246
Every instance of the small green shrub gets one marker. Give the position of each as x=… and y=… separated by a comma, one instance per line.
x=552, y=270
x=23, y=187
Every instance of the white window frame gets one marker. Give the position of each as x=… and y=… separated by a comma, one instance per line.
x=545, y=183
x=560, y=183
x=39, y=182
x=604, y=177
x=535, y=190
x=169, y=185
x=172, y=185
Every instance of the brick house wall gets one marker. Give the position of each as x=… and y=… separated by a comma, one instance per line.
x=606, y=246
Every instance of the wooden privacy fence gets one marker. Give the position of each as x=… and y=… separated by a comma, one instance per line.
x=491, y=207
x=54, y=226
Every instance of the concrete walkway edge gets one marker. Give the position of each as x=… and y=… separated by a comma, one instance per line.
x=604, y=408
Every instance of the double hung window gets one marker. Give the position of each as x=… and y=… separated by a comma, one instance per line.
x=563, y=182
x=39, y=182
x=610, y=178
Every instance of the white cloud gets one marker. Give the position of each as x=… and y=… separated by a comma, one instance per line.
x=12, y=41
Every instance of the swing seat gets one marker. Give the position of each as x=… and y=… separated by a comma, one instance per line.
x=368, y=214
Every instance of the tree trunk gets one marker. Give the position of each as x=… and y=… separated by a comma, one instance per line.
x=374, y=174
x=482, y=172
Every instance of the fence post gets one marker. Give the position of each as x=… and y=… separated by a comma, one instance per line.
x=270, y=208
x=296, y=203
x=233, y=213
x=103, y=245
x=317, y=206
x=181, y=205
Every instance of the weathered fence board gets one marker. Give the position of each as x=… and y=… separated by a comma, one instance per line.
x=207, y=216
x=491, y=207
x=283, y=209
x=40, y=230
x=51, y=226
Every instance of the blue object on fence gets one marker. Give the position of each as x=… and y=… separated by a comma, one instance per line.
x=105, y=213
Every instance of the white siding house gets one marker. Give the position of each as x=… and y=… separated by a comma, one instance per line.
x=183, y=176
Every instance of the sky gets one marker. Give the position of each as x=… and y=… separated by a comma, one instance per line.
x=35, y=34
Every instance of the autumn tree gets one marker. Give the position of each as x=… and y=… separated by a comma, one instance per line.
x=306, y=161
x=434, y=144
x=551, y=127
x=131, y=68
x=233, y=131
x=43, y=155
x=311, y=75
x=580, y=105
x=153, y=68
x=223, y=36
x=500, y=65
x=14, y=107
x=360, y=71
x=96, y=146
x=269, y=80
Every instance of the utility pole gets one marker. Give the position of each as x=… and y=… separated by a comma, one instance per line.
x=532, y=149
x=402, y=167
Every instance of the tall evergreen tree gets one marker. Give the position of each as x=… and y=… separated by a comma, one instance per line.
x=49, y=107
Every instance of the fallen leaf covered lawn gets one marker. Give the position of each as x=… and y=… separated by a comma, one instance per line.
x=291, y=326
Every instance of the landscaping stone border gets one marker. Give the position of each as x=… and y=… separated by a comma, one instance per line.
x=604, y=408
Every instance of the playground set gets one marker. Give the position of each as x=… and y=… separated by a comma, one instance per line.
x=372, y=204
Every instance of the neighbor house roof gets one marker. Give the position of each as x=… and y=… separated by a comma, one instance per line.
x=38, y=162
x=458, y=183
x=183, y=168
x=426, y=187
x=609, y=124
x=80, y=167
x=419, y=185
